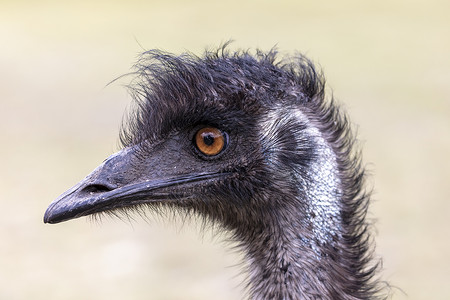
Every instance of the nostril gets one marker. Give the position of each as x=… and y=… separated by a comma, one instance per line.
x=97, y=188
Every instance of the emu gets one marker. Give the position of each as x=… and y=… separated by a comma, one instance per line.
x=250, y=142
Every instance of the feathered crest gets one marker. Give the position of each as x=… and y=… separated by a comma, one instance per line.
x=169, y=88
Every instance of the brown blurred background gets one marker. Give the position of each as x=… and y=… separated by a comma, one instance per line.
x=387, y=61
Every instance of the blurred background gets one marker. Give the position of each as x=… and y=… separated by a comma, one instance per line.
x=387, y=61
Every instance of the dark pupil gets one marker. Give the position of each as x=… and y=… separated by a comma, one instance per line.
x=208, y=139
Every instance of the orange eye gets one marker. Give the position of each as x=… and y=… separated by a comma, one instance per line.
x=210, y=141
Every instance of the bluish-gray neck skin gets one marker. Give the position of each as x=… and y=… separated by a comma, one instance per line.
x=291, y=258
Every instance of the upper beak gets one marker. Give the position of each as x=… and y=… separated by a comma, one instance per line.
x=120, y=181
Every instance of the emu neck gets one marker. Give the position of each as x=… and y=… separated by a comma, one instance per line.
x=295, y=251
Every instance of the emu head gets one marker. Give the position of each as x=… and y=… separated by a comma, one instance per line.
x=251, y=143
x=228, y=136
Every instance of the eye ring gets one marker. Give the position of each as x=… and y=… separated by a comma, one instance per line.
x=210, y=141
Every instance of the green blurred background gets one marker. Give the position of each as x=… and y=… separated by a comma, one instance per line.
x=387, y=61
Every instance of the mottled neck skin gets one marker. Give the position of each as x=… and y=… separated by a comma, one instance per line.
x=301, y=248
x=285, y=267
x=286, y=264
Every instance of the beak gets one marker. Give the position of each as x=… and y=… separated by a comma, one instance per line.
x=126, y=179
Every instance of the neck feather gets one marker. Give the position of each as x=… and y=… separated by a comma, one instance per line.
x=312, y=242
